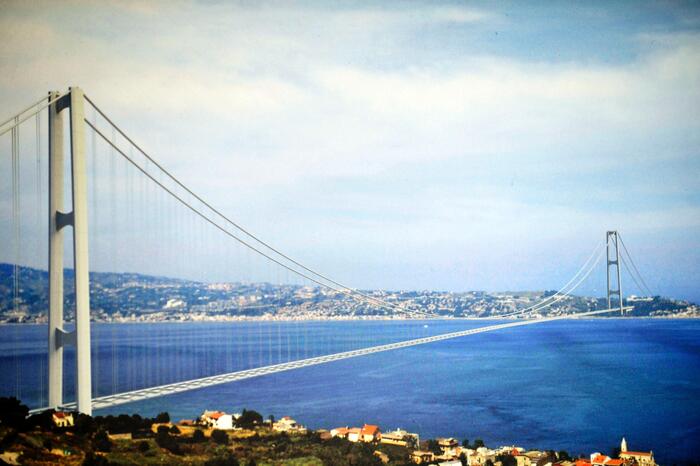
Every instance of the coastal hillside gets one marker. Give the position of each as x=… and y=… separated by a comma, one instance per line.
x=130, y=296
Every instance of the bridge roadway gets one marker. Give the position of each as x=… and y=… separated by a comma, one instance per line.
x=177, y=387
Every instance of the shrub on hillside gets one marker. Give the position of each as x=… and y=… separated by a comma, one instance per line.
x=226, y=460
x=219, y=436
x=165, y=441
x=12, y=412
x=101, y=442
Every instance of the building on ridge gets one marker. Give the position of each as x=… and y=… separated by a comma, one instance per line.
x=642, y=458
x=62, y=419
x=401, y=438
x=287, y=424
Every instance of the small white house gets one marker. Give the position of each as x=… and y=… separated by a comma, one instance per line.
x=217, y=420
x=224, y=422
x=287, y=424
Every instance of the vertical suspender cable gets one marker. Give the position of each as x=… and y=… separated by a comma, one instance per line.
x=16, y=219
x=94, y=216
x=114, y=222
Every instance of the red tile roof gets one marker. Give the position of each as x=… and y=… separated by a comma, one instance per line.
x=369, y=429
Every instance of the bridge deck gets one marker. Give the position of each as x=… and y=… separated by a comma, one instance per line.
x=177, y=387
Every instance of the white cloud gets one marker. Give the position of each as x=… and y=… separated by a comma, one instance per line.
x=270, y=102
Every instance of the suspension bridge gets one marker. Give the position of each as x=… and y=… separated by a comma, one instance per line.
x=129, y=214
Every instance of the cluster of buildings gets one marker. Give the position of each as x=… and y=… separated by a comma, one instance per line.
x=223, y=421
x=452, y=454
x=368, y=433
x=449, y=452
x=218, y=420
x=140, y=298
x=442, y=451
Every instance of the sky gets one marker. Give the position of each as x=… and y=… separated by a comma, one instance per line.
x=404, y=145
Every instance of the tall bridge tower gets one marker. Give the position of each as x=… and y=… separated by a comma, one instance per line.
x=58, y=220
x=612, y=246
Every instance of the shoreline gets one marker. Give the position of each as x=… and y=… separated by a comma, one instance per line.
x=349, y=319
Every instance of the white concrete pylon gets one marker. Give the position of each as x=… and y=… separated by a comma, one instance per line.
x=57, y=220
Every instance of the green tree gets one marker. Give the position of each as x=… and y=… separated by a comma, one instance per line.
x=465, y=443
x=175, y=430
x=478, y=443
x=101, y=442
x=84, y=424
x=198, y=436
x=43, y=420
x=507, y=460
x=163, y=418
x=463, y=459
x=249, y=419
x=95, y=460
x=164, y=440
x=564, y=456
x=434, y=446
x=12, y=412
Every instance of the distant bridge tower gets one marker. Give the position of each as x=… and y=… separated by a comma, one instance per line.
x=58, y=219
x=611, y=241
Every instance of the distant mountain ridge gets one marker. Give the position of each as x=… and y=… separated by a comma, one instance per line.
x=132, y=296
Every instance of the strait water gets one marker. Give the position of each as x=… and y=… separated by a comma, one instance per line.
x=577, y=385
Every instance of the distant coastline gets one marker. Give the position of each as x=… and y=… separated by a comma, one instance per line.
x=129, y=297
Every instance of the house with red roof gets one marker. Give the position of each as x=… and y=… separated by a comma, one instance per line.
x=62, y=419
x=341, y=432
x=217, y=420
x=354, y=434
x=370, y=433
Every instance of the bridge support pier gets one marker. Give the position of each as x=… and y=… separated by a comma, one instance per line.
x=58, y=219
x=611, y=241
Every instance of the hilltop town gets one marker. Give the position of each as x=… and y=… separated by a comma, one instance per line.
x=220, y=438
x=127, y=297
x=131, y=297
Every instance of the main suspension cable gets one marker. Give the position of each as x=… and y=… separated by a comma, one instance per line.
x=562, y=294
x=245, y=231
x=629, y=256
x=18, y=121
x=344, y=290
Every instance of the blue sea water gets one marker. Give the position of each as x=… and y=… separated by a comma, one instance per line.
x=576, y=385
